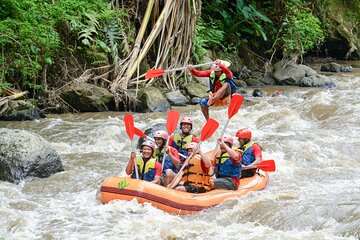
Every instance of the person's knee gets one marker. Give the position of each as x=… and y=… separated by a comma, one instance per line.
x=169, y=173
x=204, y=102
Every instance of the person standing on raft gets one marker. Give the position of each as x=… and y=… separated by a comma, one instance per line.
x=148, y=168
x=221, y=85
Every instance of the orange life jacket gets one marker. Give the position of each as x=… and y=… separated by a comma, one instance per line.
x=193, y=174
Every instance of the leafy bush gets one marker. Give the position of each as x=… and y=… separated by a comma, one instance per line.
x=301, y=30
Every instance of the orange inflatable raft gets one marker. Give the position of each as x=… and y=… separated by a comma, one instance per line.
x=172, y=201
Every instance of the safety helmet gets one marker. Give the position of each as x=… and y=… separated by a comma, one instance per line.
x=161, y=134
x=149, y=144
x=192, y=145
x=186, y=120
x=228, y=139
x=243, y=133
x=216, y=68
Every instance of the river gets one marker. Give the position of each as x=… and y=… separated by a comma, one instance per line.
x=313, y=135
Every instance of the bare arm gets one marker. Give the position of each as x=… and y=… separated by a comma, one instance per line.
x=234, y=155
x=130, y=166
x=175, y=160
x=206, y=159
x=156, y=180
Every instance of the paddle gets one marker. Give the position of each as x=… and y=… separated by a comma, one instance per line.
x=265, y=165
x=234, y=106
x=171, y=124
x=130, y=130
x=141, y=134
x=158, y=72
x=207, y=131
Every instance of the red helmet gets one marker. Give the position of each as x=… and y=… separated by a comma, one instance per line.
x=149, y=144
x=161, y=134
x=192, y=145
x=243, y=133
x=228, y=139
x=186, y=120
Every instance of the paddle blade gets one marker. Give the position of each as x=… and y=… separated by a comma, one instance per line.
x=154, y=73
x=267, y=166
x=129, y=125
x=235, y=104
x=172, y=121
x=209, y=128
x=139, y=133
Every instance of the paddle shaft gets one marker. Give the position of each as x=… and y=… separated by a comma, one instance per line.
x=183, y=68
x=135, y=166
x=183, y=166
x=222, y=134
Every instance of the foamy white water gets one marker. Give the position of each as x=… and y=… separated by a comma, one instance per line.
x=312, y=134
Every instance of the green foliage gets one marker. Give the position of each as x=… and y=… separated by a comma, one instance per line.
x=4, y=85
x=239, y=21
x=301, y=30
x=206, y=37
x=30, y=39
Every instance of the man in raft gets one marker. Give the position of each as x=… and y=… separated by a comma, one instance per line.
x=226, y=166
x=148, y=168
x=251, y=152
x=221, y=85
x=195, y=176
x=180, y=140
x=172, y=159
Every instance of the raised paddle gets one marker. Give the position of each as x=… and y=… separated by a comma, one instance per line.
x=158, y=72
x=234, y=106
x=141, y=134
x=171, y=124
x=207, y=131
x=265, y=165
x=130, y=130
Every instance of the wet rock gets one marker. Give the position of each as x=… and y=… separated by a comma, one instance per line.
x=268, y=80
x=317, y=81
x=288, y=73
x=195, y=100
x=19, y=110
x=194, y=89
x=153, y=100
x=308, y=71
x=254, y=82
x=176, y=98
x=25, y=155
x=257, y=93
x=334, y=67
x=88, y=98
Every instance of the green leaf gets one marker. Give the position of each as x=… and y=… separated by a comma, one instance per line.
x=49, y=61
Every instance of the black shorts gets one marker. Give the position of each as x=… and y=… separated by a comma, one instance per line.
x=247, y=173
x=193, y=189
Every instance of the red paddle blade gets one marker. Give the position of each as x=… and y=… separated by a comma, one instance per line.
x=139, y=133
x=267, y=166
x=154, y=73
x=172, y=121
x=235, y=104
x=209, y=128
x=129, y=125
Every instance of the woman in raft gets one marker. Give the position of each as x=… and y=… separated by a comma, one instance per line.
x=195, y=176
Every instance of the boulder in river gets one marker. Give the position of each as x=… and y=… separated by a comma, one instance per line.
x=25, y=155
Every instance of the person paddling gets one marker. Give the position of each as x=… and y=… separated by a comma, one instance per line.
x=148, y=168
x=180, y=140
x=221, y=85
x=226, y=166
x=195, y=176
x=172, y=159
x=251, y=152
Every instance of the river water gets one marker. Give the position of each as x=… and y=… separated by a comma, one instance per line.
x=312, y=134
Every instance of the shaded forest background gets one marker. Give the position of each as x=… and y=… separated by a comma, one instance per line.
x=46, y=45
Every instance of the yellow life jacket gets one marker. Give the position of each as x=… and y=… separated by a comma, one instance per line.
x=193, y=174
x=180, y=144
x=146, y=172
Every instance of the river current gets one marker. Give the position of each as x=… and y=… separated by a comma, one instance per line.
x=313, y=134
